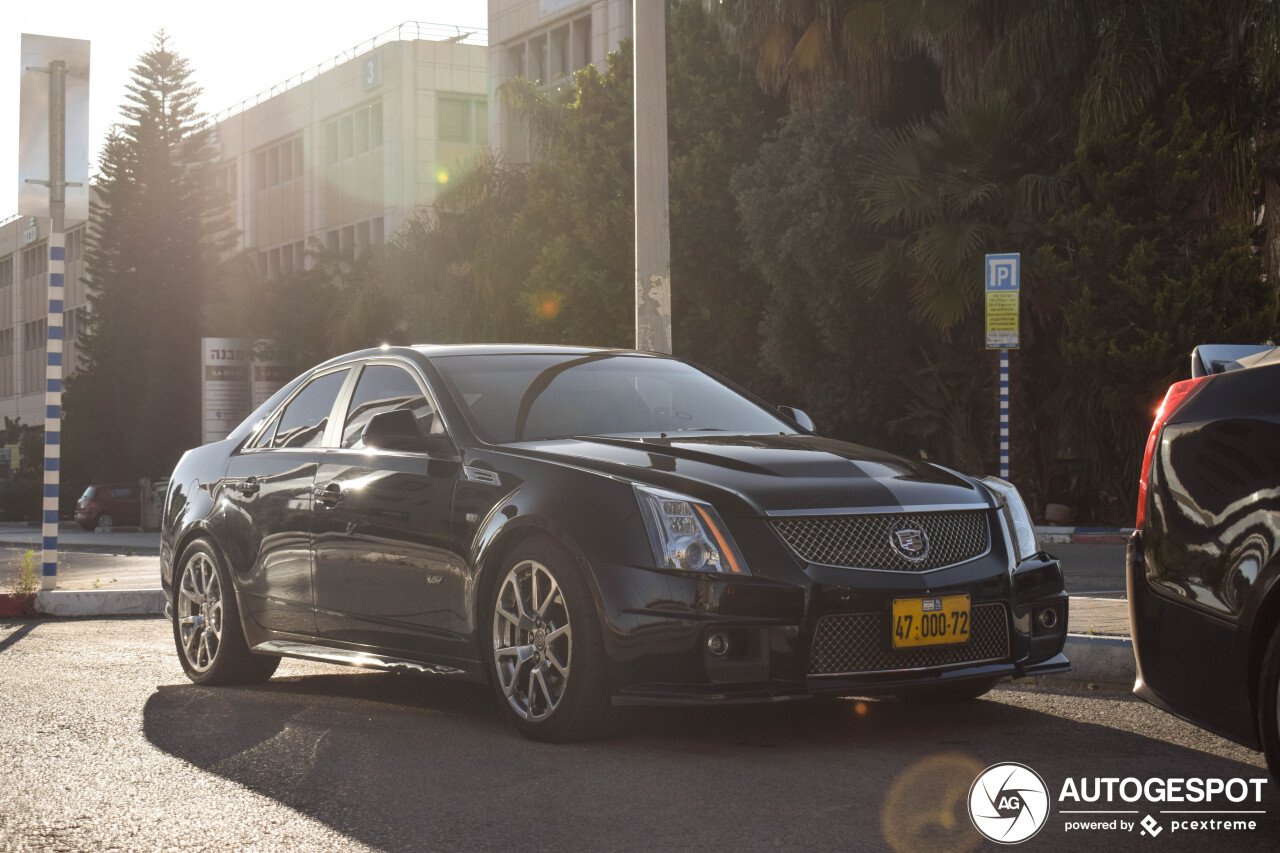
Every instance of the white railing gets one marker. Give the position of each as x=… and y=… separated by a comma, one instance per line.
x=408, y=31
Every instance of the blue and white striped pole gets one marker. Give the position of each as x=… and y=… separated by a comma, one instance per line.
x=1004, y=414
x=53, y=405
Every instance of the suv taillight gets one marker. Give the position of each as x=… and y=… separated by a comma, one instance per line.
x=1176, y=395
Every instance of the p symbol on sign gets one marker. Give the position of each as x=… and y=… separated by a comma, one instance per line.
x=1002, y=272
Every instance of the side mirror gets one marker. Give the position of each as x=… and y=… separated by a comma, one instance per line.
x=799, y=417
x=399, y=430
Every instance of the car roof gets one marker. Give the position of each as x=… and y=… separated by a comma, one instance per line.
x=433, y=350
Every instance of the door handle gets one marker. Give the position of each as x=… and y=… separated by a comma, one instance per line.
x=328, y=496
x=248, y=487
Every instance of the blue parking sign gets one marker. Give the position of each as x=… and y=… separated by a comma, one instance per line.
x=1002, y=272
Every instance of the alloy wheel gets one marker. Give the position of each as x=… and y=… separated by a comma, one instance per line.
x=200, y=612
x=532, y=641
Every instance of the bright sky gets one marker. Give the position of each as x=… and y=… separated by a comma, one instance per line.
x=236, y=49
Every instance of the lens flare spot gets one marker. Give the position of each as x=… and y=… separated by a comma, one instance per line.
x=442, y=177
x=860, y=708
x=926, y=807
x=546, y=305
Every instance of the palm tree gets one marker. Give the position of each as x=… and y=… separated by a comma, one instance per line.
x=803, y=46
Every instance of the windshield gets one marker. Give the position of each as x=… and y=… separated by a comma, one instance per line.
x=531, y=397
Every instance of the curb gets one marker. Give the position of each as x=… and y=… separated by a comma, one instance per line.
x=112, y=550
x=100, y=602
x=1099, y=660
x=1050, y=535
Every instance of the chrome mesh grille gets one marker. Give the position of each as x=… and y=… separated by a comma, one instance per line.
x=861, y=642
x=863, y=541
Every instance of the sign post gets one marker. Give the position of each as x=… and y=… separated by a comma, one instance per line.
x=1002, y=332
x=53, y=133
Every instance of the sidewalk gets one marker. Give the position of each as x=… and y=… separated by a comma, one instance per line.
x=74, y=538
x=1102, y=617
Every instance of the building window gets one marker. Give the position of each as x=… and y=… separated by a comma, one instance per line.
x=277, y=164
x=6, y=272
x=353, y=239
x=224, y=181
x=75, y=245
x=552, y=56
x=353, y=134
x=463, y=120
x=34, y=334
x=35, y=261
x=581, y=43
x=6, y=342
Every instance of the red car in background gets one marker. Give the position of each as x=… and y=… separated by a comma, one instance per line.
x=110, y=505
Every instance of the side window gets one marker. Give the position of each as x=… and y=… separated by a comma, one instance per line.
x=268, y=434
x=383, y=388
x=303, y=421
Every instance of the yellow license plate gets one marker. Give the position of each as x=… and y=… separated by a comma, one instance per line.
x=930, y=621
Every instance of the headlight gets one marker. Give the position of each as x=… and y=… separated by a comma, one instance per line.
x=687, y=534
x=1024, y=532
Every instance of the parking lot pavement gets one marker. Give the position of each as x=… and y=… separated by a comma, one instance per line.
x=106, y=746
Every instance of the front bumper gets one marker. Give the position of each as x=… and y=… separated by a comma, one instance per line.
x=781, y=643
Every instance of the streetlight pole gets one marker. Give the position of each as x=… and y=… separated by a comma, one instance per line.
x=653, y=227
x=57, y=184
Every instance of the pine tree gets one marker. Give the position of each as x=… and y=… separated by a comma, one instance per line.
x=155, y=237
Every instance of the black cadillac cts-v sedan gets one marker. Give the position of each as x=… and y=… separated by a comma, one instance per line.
x=584, y=528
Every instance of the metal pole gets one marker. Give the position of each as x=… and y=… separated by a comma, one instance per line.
x=1004, y=414
x=53, y=363
x=653, y=229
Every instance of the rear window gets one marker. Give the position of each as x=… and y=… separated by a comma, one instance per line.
x=89, y=492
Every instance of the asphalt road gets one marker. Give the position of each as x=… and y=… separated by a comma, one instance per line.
x=104, y=745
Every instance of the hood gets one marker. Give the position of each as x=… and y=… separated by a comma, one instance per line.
x=771, y=473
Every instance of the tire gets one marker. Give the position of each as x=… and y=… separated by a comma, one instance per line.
x=546, y=658
x=1269, y=706
x=106, y=520
x=965, y=691
x=206, y=623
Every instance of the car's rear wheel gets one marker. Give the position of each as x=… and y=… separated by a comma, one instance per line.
x=547, y=656
x=1269, y=706
x=206, y=625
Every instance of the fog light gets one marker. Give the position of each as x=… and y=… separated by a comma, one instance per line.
x=1047, y=617
x=718, y=644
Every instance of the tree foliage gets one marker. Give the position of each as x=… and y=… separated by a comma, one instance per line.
x=153, y=247
x=1123, y=148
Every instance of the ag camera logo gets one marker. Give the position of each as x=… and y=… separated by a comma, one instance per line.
x=1008, y=803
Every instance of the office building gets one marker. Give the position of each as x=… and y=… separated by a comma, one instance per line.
x=24, y=311
x=545, y=41
x=347, y=152
x=344, y=153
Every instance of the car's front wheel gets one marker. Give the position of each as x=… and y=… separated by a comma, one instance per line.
x=206, y=625
x=1269, y=706
x=548, y=659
